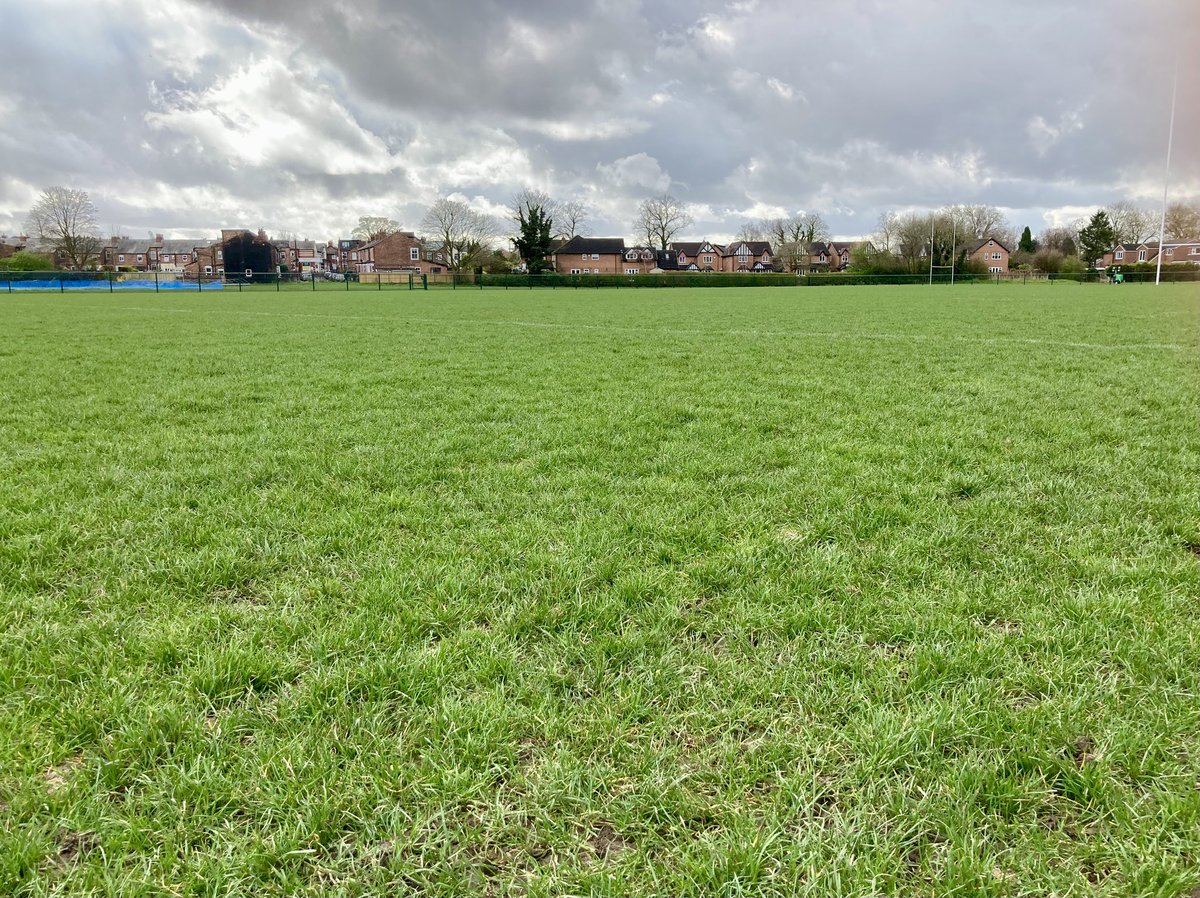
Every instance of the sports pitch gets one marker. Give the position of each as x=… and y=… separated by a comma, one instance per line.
x=855, y=591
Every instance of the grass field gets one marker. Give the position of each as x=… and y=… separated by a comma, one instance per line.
x=878, y=591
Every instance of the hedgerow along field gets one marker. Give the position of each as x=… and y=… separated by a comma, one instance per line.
x=718, y=592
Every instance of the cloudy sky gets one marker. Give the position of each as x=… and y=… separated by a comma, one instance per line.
x=183, y=116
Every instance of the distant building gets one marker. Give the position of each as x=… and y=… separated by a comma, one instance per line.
x=398, y=251
x=992, y=253
x=590, y=255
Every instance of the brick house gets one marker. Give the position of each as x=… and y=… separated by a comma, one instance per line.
x=301, y=255
x=238, y=251
x=1181, y=251
x=1132, y=253
x=591, y=255
x=154, y=254
x=699, y=256
x=398, y=251
x=639, y=260
x=1175, y=252
x=749, y=255
x=992, y=253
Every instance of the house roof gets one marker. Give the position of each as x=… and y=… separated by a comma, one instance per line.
x=756, y=247
x=838, y=245
x=603, y=245
x=693, y=248
x=981, y=243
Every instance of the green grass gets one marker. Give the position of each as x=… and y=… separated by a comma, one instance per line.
x=879, y=591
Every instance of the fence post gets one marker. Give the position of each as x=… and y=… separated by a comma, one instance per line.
x=314, y=281
x=110, y=280
x=61, y=288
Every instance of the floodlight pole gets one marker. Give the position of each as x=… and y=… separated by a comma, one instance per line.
x=1162, y=222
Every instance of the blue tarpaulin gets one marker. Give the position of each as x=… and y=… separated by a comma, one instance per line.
x=69, y=284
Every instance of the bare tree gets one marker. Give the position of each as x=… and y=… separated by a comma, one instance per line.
x=1064, y=239
x=573, y=218
x=804, y=228
x=980, y=221
x=659, y=219
x=372, y=227
x=812, y=227
x=463, y=236
x=752, y=231
x=1183, y=221
x=792, y=255
x=526, y=200
x=886, y=231
x=1131, y=223
x=66, y=219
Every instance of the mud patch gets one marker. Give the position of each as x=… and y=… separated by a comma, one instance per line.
x=57, y=777
x=606, y=843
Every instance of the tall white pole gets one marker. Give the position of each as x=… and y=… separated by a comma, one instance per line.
x=932, y=219
x=953, y=249
x=1162, y=223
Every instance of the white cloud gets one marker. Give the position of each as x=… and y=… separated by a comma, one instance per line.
x=637, y=172
x=266, y=113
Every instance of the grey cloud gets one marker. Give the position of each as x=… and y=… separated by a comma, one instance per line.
x=374, y=106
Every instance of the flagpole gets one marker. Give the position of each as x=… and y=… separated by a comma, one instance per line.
x=1162, y=223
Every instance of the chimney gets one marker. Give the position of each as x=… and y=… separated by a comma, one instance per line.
x=114, y=240
x=158, y=238
x=262, y=235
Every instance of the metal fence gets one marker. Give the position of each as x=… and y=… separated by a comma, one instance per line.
x=165, y=282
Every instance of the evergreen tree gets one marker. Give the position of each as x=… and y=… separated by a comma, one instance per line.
x=533, y=244
x=1027, y=244
x=1096, y=238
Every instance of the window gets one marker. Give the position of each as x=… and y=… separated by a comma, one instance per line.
x=121, y=258
x=766, y=257
x=140, y=257
x=995, y=269
x=1195, y=251
x=996, y=257
x=414, y=254
x=220, y=255
x=574, y=271
x=1141, y=255
x=221, y=271
x=587, y=271
x=632, y=271
x=208, y=269
x=1170, y=250
x=354, y=257
x=1120, y=254
x=708, y=260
